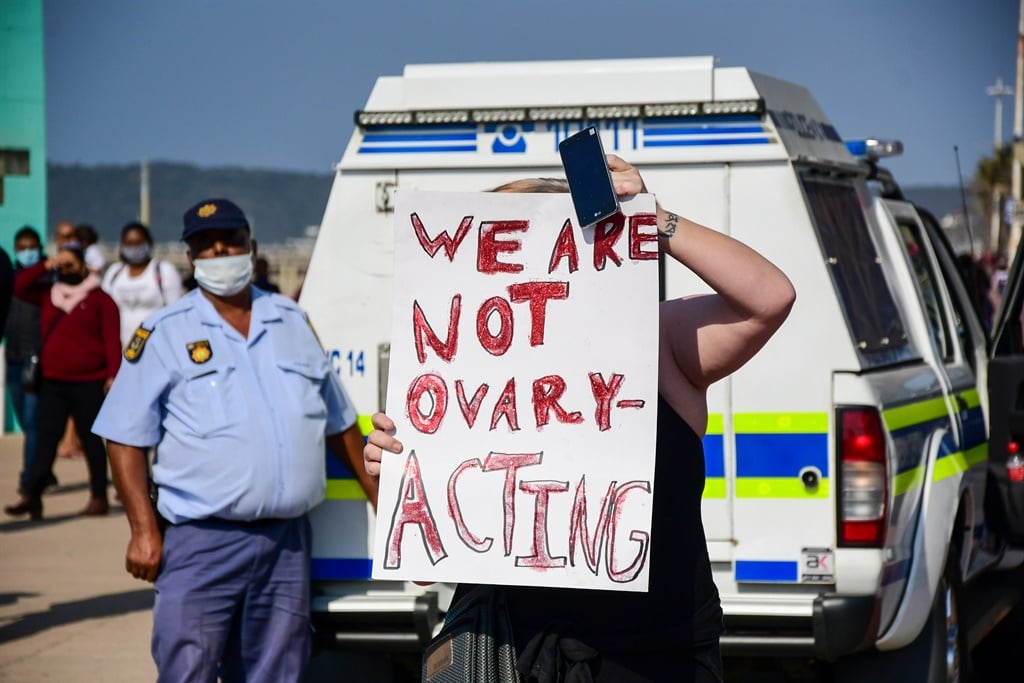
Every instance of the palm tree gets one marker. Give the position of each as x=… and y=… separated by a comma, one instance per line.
x=992, y=183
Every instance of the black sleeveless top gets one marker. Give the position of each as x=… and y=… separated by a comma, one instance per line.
x=682, y=606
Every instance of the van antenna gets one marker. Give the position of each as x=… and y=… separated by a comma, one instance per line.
x=963, y=201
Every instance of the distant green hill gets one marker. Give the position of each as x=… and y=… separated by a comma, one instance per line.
x=278, y=204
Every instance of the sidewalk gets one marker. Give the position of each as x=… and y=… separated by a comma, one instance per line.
x=68, y=610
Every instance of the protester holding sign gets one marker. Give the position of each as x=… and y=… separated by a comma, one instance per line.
x=670, y=632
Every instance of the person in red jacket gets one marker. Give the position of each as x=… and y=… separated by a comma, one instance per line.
x=81, y=353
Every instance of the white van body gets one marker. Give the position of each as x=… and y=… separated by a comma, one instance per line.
x=879, y=328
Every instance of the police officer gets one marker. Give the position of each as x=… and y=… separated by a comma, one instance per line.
x=231, y=386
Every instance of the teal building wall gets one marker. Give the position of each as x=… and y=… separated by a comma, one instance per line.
x=22, y=130
x=22, y=118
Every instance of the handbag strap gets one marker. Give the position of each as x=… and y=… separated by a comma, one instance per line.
x=42, y=341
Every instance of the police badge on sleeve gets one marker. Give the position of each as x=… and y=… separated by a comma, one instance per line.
x=133, y=351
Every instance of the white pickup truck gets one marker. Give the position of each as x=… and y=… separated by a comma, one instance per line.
x=857, y=507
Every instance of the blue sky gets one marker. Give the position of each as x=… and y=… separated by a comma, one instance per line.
x=273, y=85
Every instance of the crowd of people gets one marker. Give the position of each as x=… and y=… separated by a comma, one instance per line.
x=75, y=313
x=985, y=277
x=169, y=386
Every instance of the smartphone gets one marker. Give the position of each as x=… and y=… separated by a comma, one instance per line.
x=590, y=182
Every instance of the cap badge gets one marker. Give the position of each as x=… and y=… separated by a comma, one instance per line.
x=207, y=210
x=199, y=351
x=133, y=351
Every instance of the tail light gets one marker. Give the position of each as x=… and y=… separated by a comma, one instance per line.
x=863, y=478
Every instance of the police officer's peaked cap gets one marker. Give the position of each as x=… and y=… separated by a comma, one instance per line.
x=213, y=214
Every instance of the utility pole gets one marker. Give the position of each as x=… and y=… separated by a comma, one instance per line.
x=999, y=91
x=144, y=192
x=1018, y=137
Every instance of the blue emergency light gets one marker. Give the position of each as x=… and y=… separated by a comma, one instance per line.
x=873, y=149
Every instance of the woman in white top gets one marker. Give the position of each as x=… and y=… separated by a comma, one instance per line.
x=138, y=284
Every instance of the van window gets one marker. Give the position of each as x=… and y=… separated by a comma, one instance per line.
x=958, y=273
x=874, y=321
x=929, y=294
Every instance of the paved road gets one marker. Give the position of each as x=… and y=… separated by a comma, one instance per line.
x=68, y=610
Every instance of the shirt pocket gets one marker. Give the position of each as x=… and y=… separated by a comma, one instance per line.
x=213, y=399
x=303, y=381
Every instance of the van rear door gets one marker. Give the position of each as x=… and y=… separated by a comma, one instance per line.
x=1005, y=504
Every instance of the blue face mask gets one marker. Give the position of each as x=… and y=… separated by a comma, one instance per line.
x=27, y=257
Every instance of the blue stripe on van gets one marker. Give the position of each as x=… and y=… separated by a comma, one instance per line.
x=708, y=142
x=336, y=470
x=340, y=568
x=417, y=150
x=702, y=130
x=419, y=137
x=765, y=570
x=413, y=139
x=780, y=455
x=714, y=455
x=897, y=571
x=718, y=120
x=974, y=428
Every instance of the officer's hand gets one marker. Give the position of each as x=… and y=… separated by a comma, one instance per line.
x=625, y=177
x=378, y=441
x=143, y=557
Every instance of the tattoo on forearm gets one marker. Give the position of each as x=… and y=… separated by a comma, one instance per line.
x=671, y=223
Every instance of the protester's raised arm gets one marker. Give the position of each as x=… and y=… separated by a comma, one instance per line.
x=707, y=337
x=711, y=336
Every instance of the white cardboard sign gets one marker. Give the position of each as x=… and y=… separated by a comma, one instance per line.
x=523, y=382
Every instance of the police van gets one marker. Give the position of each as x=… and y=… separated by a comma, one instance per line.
x=857, y=488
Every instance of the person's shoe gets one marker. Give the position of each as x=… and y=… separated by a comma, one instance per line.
x=51, y=484
x=97, y=507
x=33, y=507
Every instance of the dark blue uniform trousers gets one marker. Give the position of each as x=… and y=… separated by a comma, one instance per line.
x=232, y=600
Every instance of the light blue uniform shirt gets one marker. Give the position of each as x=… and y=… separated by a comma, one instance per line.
x=239, y=424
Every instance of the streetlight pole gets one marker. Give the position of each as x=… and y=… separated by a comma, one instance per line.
x=1018, y=137
x=144, y=193
x=998, y=91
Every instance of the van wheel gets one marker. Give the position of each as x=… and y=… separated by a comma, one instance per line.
x=939, y=654
x=949, y=627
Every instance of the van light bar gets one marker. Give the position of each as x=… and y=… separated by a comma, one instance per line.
x=383, y=118
x=499, y=115
x=597, y=112
x=874, y=149
x=445, y=116
x=556, y=113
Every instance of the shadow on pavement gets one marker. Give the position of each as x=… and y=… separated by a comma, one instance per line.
x=64, y=613
x=20, y=524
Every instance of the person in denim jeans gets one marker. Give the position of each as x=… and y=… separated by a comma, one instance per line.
x=21, y=337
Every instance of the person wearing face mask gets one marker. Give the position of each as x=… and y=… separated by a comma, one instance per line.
x=80, y=354
x=65, y=233
x=139, y=284
x=21, y=340
x=6, y=287
x=232, y=388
